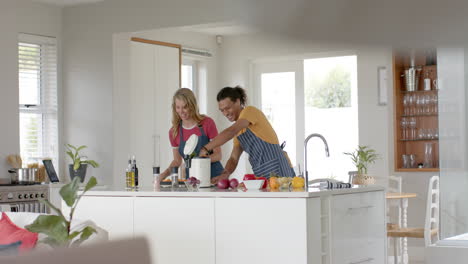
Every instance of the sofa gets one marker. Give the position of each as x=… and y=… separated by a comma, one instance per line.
x=22, y=219
x=114, y=252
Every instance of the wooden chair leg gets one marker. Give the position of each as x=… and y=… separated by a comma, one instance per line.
x=395, y=250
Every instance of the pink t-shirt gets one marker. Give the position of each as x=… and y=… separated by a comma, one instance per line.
x=208, y=125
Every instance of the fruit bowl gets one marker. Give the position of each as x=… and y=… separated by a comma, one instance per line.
x=253, y=184
x=192, y=187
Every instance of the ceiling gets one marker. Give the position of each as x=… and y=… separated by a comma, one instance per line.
x=67, y=2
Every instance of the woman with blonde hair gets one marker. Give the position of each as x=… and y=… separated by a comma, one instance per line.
x=186, y=121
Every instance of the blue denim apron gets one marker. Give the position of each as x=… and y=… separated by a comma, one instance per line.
x=216, y=167
x=265, y=157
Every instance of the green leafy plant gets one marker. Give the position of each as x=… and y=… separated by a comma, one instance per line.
x=77, y=159
x=58, y=227
x=362, y=157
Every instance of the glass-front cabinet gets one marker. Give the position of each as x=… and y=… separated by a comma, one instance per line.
x=416, y=93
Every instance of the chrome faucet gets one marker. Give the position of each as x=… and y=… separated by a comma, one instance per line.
x=305, y=154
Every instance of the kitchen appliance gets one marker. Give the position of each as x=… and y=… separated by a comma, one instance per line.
x=23, y=198
x=189, y=152
x=201, y=169
x=23, y=175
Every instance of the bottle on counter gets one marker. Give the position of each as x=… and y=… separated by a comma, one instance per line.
x=175, y=177
x=156, y=172
x=135, y=172
x=129, y=175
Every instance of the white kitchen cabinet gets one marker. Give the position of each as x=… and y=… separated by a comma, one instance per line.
x=266, y=230
x=142, y=109
x=114, y=214
x=357, y=232
x=222, y=227
x=179, y=230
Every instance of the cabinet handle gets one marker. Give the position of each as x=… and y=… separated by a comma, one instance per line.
x=359, y=208
x=362, y=261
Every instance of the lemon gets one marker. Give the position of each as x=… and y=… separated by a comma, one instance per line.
x=298, y=182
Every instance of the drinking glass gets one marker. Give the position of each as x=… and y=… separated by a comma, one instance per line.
x=428, y=155
x=406, y=160
x=412, y=125
x=404, y=126
x=412, y=161
x=406, y=104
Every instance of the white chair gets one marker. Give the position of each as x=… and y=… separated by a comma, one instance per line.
x=431, y=225
x=395, y=185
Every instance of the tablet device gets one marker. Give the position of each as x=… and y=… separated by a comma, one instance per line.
x=50, y=170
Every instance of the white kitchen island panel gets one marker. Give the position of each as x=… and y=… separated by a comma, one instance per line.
x=179, y=230
x=225, y=226
x=114, y=214
x=264, y=230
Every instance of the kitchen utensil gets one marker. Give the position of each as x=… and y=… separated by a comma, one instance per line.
x=23, y=175
x=411, y=76
x=190, y=144
x=201, y=169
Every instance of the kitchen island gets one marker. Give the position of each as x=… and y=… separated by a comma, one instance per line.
x=222, y=226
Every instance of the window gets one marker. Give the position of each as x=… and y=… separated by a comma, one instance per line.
x=37, y=81
x=305, y=96
x=189, y=74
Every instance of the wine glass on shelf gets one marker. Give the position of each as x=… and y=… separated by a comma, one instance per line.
x=406, y=104
x=411, y=102
x=427, y=104
x=404, y=126
x=412, y=126
x=435, y=103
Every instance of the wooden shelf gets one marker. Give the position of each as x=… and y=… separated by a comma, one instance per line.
x=412, y=140
x=401, y=62
x=417, y=170
x=420, y=115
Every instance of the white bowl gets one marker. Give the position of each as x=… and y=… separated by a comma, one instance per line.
x=253, y=184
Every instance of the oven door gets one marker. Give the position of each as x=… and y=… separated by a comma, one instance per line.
x=32, y=207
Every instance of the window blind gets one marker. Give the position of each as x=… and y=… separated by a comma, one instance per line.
x=37, y=79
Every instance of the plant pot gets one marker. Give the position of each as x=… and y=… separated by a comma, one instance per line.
x=80, y=172
x=363, y=179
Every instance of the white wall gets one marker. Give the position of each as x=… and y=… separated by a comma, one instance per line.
x=15, y=17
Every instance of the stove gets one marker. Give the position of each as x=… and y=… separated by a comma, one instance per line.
x=23, y=198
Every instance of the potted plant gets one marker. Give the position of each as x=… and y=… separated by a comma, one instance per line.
x=79, y=162
x=362, y=157
x=58, y=228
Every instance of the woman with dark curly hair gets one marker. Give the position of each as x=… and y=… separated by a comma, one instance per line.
x=252, y=133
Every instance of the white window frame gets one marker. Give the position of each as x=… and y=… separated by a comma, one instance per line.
x=48, y=96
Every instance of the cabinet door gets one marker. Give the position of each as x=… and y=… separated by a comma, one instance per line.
x=154, y=74
x=357, y=228
x=114, y=214
x=179, y=230
x=261, y=230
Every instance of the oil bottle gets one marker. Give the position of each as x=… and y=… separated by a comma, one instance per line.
x=130, y=175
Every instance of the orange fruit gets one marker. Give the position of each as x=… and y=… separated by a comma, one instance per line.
x=274, y=183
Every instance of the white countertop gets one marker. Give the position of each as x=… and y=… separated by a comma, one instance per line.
x=213, y=192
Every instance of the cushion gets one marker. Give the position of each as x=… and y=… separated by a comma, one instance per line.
x=10, y=249
x=10, y=233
